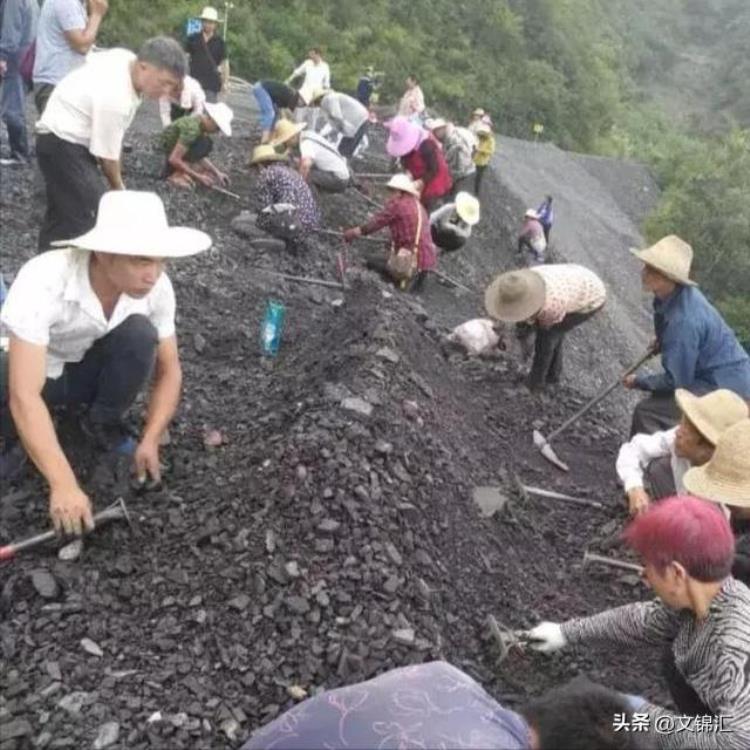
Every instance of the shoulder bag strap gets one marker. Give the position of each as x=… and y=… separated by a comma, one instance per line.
x=419, y=228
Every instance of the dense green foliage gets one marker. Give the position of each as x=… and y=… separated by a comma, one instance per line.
x=664, y=81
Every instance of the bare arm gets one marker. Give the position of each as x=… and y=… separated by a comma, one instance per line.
x=82, y=40
x=177, y=160
x=305, y=165
x=69, y=507
x=165, y=397
x=113, y=172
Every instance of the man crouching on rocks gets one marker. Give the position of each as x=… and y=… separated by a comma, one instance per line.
x=87, y=324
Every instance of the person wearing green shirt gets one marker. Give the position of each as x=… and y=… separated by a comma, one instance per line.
x=187, y=144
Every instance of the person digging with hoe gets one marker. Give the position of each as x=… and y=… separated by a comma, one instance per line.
x=699, y=351
x=653, y=466
x=187, y=144
x=88, y=324
x=412, y=253
x=548, y=301
x=700, y=617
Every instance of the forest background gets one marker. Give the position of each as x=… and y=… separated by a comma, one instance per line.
x=660, y=81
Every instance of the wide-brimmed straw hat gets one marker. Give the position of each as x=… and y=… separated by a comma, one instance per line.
x=531, y=214
x=131, y=222
x=436, y=123
x=726, y=477
x=670, y=256
x=404, y=183
x=713, y=413
x=515, y=296
x=209, y=14
x=266, y=153
x=478, y=112
x=404, y=136
x=482, y=129
x=467, y=207
x=222, y=115
x=285, y=130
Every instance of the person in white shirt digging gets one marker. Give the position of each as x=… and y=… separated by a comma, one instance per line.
x=652, y=467
x=88, y=324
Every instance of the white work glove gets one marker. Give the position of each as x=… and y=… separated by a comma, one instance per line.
x=546, y=637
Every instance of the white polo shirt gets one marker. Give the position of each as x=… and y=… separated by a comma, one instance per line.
x=94, y=105
x=323, y=154
x=51, y=303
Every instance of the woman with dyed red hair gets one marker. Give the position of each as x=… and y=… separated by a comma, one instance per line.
x=701, y=614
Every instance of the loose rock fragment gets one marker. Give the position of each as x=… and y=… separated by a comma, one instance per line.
x=45, y=584
x=489, y=500
x=404, y=636
x=358, y=406
x=296, y=692
x=91, y=647
x=108, y=734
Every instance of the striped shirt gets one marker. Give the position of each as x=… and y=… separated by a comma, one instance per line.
x=713, y=656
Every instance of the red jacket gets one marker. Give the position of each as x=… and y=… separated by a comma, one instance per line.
x=400, y=214
x=427, y=163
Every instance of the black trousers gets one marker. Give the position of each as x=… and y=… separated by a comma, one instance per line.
x=348, y=146
x=446, y=240
x=656, y=412
x=200, y=149
x=328, y=182
x=548, y=349
x=107, y=380
x=74, y=186
x=478, y=177
x=466, y=184
x=42, y=93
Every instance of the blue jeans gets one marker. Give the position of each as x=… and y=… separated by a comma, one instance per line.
x=267, y=110
x=12, y=109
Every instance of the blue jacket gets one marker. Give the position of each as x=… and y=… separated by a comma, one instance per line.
x=699, y=351
x=546, y=214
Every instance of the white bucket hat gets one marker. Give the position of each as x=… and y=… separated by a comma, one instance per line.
x=531, y=214
x=222, y=115
x=726, y=477
x=670, y=256
x=467, y=207
x=210, y=14
x=713, y=413
x=131, y=222
x=403, y=182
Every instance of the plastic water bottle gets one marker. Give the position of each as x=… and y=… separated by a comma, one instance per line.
x=271, y=330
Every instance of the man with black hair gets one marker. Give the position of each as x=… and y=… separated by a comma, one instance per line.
x=447, y=708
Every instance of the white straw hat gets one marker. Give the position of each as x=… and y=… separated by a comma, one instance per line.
x=467, y=207
x=531, y=214
x=713, y=413
x=726, y=477
x=436, y=123
x=131, y=222
x=403, y=182
x=515, y=296
x=670, y=256
x=222, y=115
x=209, y=14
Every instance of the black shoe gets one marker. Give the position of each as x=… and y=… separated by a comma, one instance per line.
x=110, y=438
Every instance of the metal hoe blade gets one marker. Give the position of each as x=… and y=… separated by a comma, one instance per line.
x=547, y=451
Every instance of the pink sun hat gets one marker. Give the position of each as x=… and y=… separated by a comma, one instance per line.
x=405, y=136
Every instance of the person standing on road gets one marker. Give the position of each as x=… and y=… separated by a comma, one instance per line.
x=208, y=55
x=421, y=156
x=65, y=35
x=546, y=215
x=551, y=300
x=317, y=75
x=84, y=124
x=484, y=153
x=412, y=104
x=88, y=325
x=271, y=97
x=18, y=22
x=652, y=467
x=700, y=618
x=699, y=351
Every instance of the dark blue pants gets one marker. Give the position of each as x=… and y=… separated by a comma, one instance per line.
x=13, y=109
x=107, y=380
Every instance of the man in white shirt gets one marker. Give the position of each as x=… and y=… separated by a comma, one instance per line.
x=65, y=34
x=191, y=100
x=652, y=467
x=88, y=324
x=320, y=162
x=84, y=124
x=317, y=74
x=347, y=118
